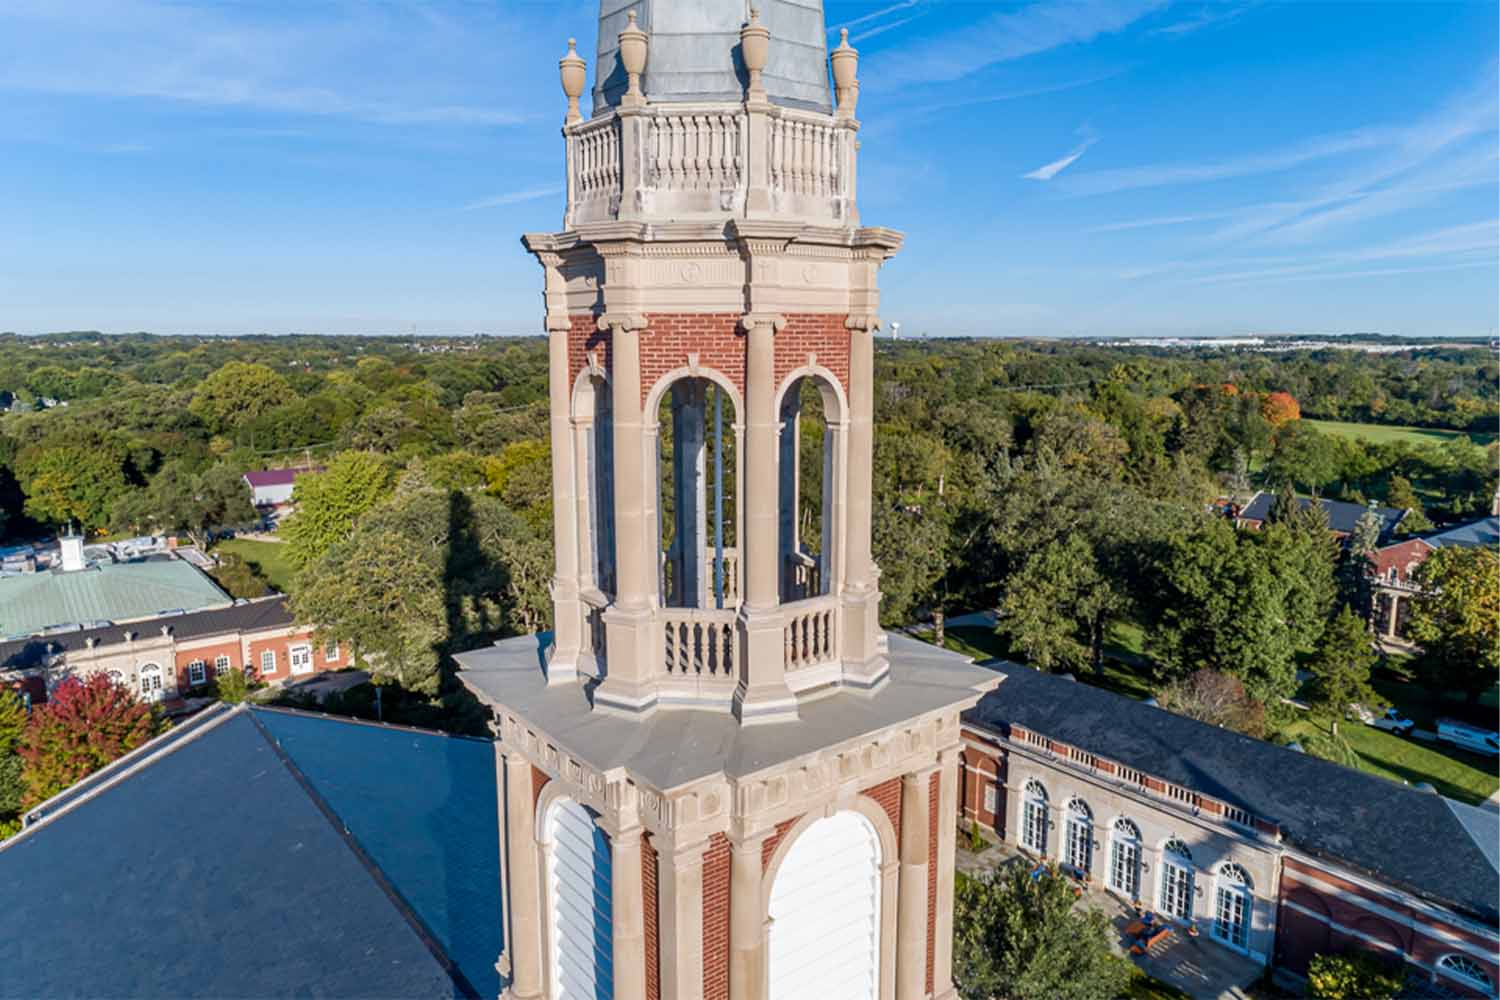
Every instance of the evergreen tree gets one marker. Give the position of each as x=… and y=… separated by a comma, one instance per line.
x=1284, y=508
x=13, y=719
x=1403, y=496
x=1341, y=666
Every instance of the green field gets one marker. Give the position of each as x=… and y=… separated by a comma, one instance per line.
x=1384, y=433
x=268, y=558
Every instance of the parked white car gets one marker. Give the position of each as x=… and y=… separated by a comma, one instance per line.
x=1392, y=721
x=1468, y=737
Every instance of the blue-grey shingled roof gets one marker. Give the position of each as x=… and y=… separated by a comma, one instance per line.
x=264, y=854
x=1342, y=516
x=1403, y=836
x=1485, y=531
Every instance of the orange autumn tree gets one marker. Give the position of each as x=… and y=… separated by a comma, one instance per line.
x=1280, y=408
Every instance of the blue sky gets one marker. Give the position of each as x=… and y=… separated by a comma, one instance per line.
x=1100, y=168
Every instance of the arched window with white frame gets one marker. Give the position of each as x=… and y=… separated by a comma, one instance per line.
x=1233, y=905
x=1125, y=858
x=1467, y=971
x=149, y=678
x=1080, y=837
x=1176, y=881
x=1034, y=817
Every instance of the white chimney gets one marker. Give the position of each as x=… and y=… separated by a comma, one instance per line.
x=72, y=553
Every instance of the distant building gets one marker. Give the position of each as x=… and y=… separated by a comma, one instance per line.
x=1393, y=568
x=166, y=657
x=271, y=489
x=1342, y=516
x=90, y=587
x=1272, y=854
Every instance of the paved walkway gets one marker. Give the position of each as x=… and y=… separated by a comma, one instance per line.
x=1197, y=966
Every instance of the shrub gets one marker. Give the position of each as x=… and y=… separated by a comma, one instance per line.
x=1352, y=976
x=86, y=725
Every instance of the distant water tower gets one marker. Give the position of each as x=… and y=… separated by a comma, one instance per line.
x=896, y=331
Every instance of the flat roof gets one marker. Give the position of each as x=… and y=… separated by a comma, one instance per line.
x=675, y=747
x=104, y=592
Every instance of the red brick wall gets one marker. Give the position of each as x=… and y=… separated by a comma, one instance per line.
x=887, y=795
x=716, y=919
x=229, y=646
x=539, y=781
x=1400, y=556
x=933, y=805
x=586, y=336
x=981, y=770
x=652, y=908
x=280, y=646
x=769, y=845
x=814, y=333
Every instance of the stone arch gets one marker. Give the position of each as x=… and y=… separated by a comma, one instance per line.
x=841, y=821
x=577, y=892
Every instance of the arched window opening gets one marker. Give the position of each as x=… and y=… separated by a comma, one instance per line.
x=696, y=458
x=594, y=436
x=1465, y=969
x=150, y=680
x=1080, y=841
x=580, y=905
x=805, y=503
x=1176, y=880
x=1233, y=905
x=1125, y=859
x=1034, y=818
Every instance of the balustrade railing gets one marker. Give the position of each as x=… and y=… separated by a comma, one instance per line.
x=806, y=157
x=810, y=633
x=699, y=642
x=695, y=151
x=598, y=173
x=731, y=577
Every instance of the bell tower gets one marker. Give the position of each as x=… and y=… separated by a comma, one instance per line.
x=717, y=739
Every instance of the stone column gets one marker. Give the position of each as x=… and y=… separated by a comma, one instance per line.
x=761, y=694
x=862, y=654
x=1390, y=631
x=679, y=880
x=503, y=961
x=1057, y=831
x=628, y=919
x=747, y=920
x=911, y=914
x=568, y=627
x=524, y=866
x=627, y=682
x=947, y=849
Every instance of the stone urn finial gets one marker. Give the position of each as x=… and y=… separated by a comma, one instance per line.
x=845, y=61
x=755, y=45
x=633, y=57
x=571, y=68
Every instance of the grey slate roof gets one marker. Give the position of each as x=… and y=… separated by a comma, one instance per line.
x=1485, y=531
x=674, y=748
x=263, y=613
x=694, y=51
x=265, y=854
x=1342, y=516
x=1400, y=835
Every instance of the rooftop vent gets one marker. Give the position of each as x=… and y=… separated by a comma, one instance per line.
x=72, y=553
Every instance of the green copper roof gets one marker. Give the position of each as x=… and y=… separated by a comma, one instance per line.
x=113, y=592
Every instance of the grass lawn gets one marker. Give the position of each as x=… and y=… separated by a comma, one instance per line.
x=1123, y=653
x=1456, y=774
x=268, y=559
x=1382, y=433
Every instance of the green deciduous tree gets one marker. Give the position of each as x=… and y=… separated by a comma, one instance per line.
x=236, y=394
x=1341, y=665
x=13, y=719
x=84, y=725
x=1403, y=496
x=1353, y=976
x=329, y=502
x=77, y=477
x=1020, y=938
x=1456, y=618
x=1058, y=607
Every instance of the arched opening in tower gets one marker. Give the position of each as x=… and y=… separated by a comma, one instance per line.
x=593, y=426
x=698, y=462
x=806, y=507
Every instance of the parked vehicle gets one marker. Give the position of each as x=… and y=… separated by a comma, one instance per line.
x=1392, y=721
x=1468, y=737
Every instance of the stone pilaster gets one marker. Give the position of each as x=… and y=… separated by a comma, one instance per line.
x=523, y=866
x=680, y=881
x=947, y=852
x=628, y=920
x=568, y=609
x=864, y=660
x=911, y=917
x=747, y=920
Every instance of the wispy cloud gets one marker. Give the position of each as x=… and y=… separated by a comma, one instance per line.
x=1004, y=36
x=513, y=197
x=1051, y=170
x=1204, y=18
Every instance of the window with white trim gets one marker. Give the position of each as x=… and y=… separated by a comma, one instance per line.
x=1080, y=836
x=150, y=681
x=991, y=798
x=1176, y=880
x=300, y=658
x=1034, y=818
x=1466, y=970
x=197, y=672
x=1125, y=858
x=221, y=666
x=1232, y=906
x=268, y=661
x=331, y=650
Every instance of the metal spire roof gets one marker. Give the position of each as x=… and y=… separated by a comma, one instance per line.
x=694, y=53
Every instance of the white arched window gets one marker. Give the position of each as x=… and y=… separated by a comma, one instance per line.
x=1125, y=858
x=1080, y=839
x=115, y=676
x=1034, y=817
x=580, y=908
x=1176, y=897
x=150, y=681
x=1467, y=971
x=1233, y=904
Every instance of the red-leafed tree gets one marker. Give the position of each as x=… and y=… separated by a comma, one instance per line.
x=1280, y=408
x=85, y=725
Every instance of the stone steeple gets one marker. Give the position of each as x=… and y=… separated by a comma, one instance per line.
x=717, y=683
